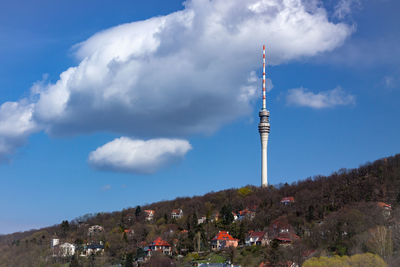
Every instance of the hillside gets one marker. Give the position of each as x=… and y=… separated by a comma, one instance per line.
x=349, y=212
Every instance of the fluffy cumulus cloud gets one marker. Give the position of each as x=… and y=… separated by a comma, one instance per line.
x=185, y=73
x=16, y=124
x=304, y=98
x=138, y=156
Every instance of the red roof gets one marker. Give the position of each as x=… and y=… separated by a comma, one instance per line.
x=160, y=242
x=287, y=199
x=149, y=211
x=176, y=211
x=224, y=235
x=384, y=205
x=256, y=234
x=245, y=212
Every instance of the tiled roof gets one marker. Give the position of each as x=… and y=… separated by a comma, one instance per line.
x=287, y=199
x=149, y=211
x=160, y=242
x=245, y=212
x=256, y=234
x=384, y=205
x=224, y=235
x=176, y=211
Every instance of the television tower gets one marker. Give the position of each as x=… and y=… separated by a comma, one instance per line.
x=263, y=129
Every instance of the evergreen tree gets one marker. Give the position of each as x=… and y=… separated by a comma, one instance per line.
x=226, y=214
x=138, y=211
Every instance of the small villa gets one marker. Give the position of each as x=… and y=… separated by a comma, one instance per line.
x=160, y=246
x=176, y=214
x=149, y=215
x=257, y=238
x=287, y=200
x=223, y=240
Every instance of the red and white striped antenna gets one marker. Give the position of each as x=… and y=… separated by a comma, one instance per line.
x=264, y=104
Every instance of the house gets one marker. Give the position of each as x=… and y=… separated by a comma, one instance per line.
x=159, y=245
x=149, y=215
x=203, y=219
x=246, y=213
x=287, y=200
x=95, y=229
x=387, y=208
x=257, y=238
x=177, y=214
x=235, y=217
x=223, y=240
x=54, y=242
x=94, y=248
x=66, y=249
x=282, y=231
x=129, y=232
x=215, y=217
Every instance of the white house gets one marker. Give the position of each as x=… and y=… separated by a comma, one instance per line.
x=67, y=249
x=149, y=215
x=256, y=238
x=54, y=242
x=203, y=219
x=177, y=214
x=93, y=249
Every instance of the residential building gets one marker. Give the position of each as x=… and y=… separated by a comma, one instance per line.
x=287, y=200
x=94, y=248
x=257, y=238
x=215, y=217
x=66, y=249
x=235, y=217
x=129, y=232
x=161, y=246
x=387, y=208
x=246, y=213
x=149, y=215
x=54, y=242
x=282, y=231
x=177, y=214
x=203, y=219
x=223, y=240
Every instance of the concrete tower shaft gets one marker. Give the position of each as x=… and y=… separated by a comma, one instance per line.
x=263, y=129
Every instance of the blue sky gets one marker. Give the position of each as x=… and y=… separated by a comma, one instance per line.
x=168, y=106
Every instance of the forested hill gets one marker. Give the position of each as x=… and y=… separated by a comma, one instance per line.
x=333, y=215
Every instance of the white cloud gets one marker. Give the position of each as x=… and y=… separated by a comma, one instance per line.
x=179, y=74
x=16, y=124
x=304, y=98
x=184, y=73
x=138, y=156
x=345, y=7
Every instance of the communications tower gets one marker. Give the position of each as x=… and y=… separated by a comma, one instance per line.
x=263, y=129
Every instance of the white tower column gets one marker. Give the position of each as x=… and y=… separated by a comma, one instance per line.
x=263, y=128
